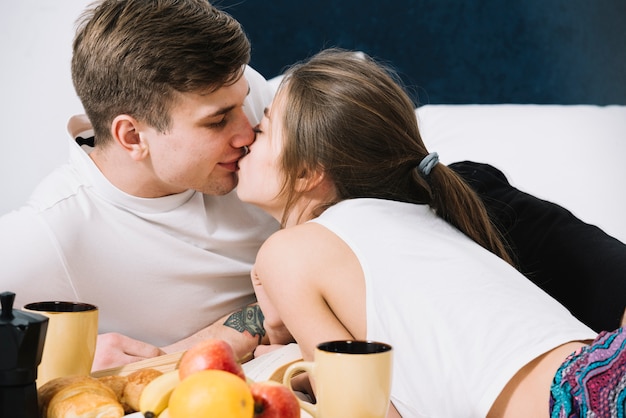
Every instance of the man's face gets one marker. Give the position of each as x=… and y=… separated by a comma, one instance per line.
x=202, y=147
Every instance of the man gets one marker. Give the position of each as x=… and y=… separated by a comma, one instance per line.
x=143, y=222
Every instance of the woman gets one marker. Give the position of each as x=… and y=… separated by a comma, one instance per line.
x=381, y=242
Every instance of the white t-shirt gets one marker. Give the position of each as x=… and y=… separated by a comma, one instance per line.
x=158, y=269
x=461, y=320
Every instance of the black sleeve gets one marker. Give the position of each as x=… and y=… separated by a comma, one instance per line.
x=576, y=263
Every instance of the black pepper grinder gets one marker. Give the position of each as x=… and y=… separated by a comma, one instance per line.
x=22, y=336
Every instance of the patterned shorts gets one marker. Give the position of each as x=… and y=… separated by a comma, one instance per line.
x=592, y=381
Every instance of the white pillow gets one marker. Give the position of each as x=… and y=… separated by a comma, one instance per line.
x=570, y=155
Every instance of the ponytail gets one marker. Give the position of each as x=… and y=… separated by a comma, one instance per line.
x=457, y=203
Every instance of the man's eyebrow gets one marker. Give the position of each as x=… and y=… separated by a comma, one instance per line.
x=225, y=110
x=220, y=112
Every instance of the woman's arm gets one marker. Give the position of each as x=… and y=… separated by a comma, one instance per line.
x=309, y=280
x=309, y=277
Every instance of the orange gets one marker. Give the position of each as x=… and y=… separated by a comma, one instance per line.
x=211, y=393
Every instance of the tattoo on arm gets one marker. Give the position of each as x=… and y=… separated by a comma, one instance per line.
x=248, y=319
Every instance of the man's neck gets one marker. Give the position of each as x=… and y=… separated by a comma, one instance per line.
x=132, y=177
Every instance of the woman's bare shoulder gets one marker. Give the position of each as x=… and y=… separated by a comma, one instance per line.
x=301, y=248
x=307, y=236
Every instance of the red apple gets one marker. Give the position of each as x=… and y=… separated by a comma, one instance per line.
x=209, y=354
x=274, y=400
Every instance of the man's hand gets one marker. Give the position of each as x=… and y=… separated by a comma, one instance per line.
x=113, y=350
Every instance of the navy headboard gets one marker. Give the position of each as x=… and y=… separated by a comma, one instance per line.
x=457, y=51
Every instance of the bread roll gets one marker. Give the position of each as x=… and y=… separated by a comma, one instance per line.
x=136, y=381
x=78, y=397
x=117, y=384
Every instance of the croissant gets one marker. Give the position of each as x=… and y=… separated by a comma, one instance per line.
x=78, y=397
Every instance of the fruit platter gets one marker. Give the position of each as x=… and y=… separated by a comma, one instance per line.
x=206, y=381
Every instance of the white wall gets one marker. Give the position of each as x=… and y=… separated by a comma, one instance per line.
x=36, y=92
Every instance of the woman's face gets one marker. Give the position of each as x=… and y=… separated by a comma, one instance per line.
x=260, y=176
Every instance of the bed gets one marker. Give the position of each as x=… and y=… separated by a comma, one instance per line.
x=534, y=88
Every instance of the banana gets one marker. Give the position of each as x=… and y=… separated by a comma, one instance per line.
x=156, y=395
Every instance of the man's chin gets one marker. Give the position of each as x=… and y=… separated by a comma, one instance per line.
x=220, y=187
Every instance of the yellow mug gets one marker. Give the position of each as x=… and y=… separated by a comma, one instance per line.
x=70, y=343
x=350, y=379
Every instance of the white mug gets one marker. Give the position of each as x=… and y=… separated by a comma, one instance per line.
x=351, y=379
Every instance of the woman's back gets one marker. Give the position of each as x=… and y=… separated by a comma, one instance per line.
x=462, y=320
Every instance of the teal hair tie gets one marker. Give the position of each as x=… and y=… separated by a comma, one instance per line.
x=427, y=164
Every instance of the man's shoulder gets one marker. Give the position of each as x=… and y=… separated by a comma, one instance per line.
x=60, y=185
x=29, y=226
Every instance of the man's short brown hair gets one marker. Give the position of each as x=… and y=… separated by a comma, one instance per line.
x=131, y=56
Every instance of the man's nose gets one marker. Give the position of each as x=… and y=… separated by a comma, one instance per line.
x=244, y=134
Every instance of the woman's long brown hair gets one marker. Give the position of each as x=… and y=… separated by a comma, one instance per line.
x=349, y=116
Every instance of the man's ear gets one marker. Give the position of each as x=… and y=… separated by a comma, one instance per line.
x=126, y=132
